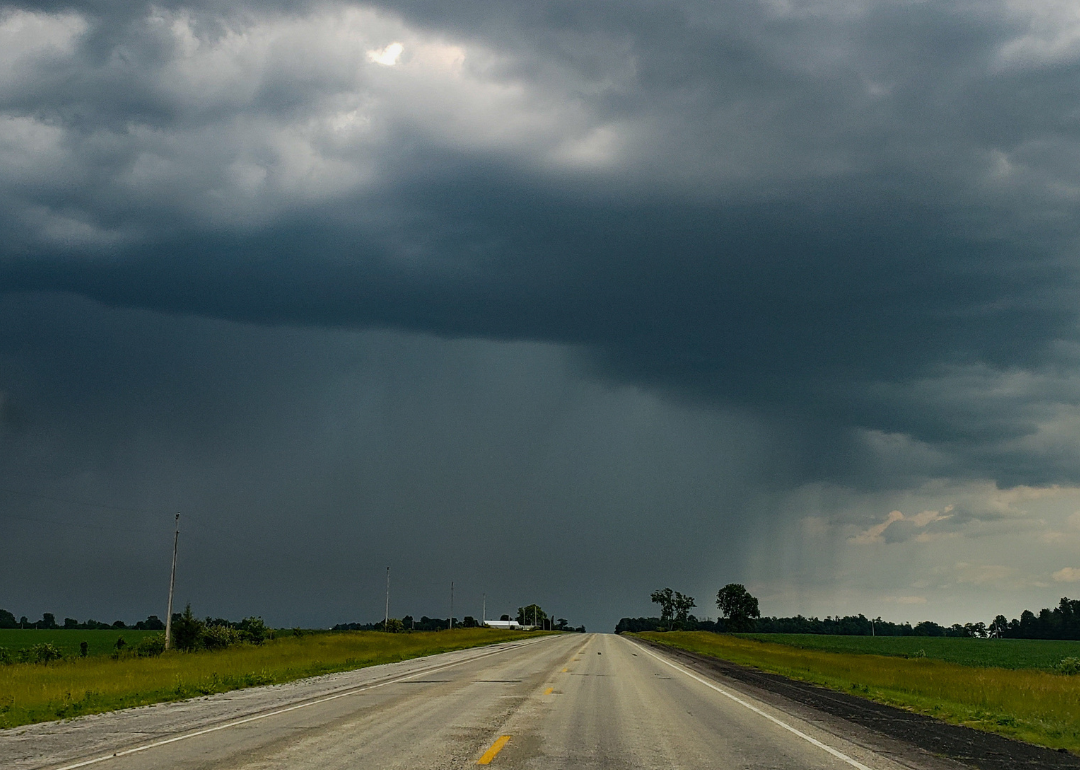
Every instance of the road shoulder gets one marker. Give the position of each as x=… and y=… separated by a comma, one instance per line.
x=910, y=739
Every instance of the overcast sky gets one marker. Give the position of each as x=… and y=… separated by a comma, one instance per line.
x=560, y=301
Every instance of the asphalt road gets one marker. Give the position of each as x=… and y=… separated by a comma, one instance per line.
x=571, y=701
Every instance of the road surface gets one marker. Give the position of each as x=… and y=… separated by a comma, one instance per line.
x=568, y=701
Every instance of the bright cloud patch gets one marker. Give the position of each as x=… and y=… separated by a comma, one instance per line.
x=386, y=56
x=1067, y=575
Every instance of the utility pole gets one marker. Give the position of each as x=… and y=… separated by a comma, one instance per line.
x=483, y=615
x=172, y=585
x=386, y=616
x=451, y=605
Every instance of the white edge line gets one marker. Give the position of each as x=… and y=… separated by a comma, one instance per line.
x=838, y=754
x=277, y=712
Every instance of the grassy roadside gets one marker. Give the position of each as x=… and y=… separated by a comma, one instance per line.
x=38, y=693
x=1036, y=706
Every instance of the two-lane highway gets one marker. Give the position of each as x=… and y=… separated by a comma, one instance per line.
x=593, y=701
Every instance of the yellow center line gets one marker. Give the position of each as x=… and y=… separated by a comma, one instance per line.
x=496, y=747
x=549, y=690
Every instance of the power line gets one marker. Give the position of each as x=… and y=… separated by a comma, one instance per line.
x=75, y=502
x=103, y=506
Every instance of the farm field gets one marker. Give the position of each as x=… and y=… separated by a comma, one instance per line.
x=1029, y=704
x=33, y=692
x=989, y=653
x=99, y=642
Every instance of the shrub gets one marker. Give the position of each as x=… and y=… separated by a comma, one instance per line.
x=253, y=630
x=1069, y=666
x=219, y=637
x=40, y=653
x=151, y=646
x=5, y=655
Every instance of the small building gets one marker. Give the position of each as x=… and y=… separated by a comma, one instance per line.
x=508, y=625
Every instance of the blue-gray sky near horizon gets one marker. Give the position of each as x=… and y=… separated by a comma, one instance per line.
x=560, y=301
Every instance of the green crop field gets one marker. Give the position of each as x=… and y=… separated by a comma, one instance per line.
x=990, y=653
x=1033, y=705
x=97, y=642
x=35, y=692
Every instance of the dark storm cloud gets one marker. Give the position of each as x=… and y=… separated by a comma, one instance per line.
x=306, y=460
x=841, y=215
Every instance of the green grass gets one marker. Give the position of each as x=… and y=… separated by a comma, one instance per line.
x=1032, y=705
x=986, y=653
x=98, y=642
x=75, y=686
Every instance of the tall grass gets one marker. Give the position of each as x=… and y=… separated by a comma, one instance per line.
x=1035, y=706
x=36, y=693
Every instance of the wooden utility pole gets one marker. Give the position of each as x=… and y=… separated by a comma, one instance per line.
x=451, y=605
x=386, y=616
x=172, y=585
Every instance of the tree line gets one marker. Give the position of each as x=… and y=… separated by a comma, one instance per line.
x=530, y=614
x=48, y=622
x=740, y=613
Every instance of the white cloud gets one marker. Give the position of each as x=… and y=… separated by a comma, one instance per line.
x=1067, y=575
x=874, y=534
x=387, y=56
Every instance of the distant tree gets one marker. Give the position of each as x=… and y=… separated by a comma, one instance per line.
x=7, y=620
x=152, y=623
x=504, y=617
x=738, y=607
x=928, y=628
x=530, y=613
x=70, y=623
x=48, y=621
x=119, y=624
x=999, y=628
x=666, y=599
x=469, y=622
x=187, y=631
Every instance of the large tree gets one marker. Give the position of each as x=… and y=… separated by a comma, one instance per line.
x=531, y=614
x=666, y=599
x=737, y=606
x=682, y=606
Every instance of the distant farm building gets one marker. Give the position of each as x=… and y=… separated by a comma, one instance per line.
x=509, y=625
